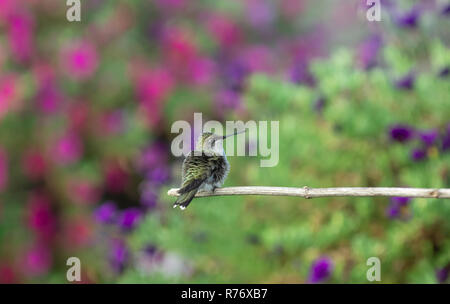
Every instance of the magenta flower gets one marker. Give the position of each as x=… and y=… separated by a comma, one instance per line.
x=178, y=48
x=34, y=164
x=116, y=178
x=7, y=273
x=258, y=59
x=80, y=60
x=152, y=88
x=224, y=30
x=202, y=70
x=8, y=93
x=49, y=97
x=68, y=149
x=37, y=260
x=84, y=192
x=3, y=169
x=40, y=216
x=112, y=122
x=321, y=270
x=20, y=36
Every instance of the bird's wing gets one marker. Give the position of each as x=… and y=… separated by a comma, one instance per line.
x=196, y=170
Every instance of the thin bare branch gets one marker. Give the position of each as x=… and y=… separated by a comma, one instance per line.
x=307, y=192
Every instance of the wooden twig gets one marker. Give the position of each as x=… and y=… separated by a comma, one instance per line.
x=307, y=192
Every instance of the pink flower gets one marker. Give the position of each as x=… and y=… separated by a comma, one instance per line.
x=7, y=275
x=68, y=149
x=292, y=8
x=224, y=30
x=153, y=156
x=37, y=260
x=202, y=70
x=78, y=115
x=84, y=192
x=152, y=88
x=111, y=122
x=20, y=35
x=171, y=4
x=258, y=59
x=260, y=13
x=80, y=60
x=6, y=8
x=8, y=93
x=3, y=169
x=40, y=216
x=77, y=232
x=153, y=85
x=116, y=178
x=49, y=97
x=34, y=164
x=179, y=49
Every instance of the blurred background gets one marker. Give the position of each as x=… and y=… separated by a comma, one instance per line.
x=85, y=163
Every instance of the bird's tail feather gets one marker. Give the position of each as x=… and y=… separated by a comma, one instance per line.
x=185, y=199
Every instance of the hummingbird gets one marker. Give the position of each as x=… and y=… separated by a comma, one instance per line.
x=205, y=168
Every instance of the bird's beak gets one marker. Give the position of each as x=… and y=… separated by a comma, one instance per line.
x=235, y=133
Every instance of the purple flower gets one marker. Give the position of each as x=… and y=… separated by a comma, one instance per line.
x=444, y=72
x=149, y=198
x=319, y=104
x=393, y=211
x=368, y=52
x=159, y=174
x=418, y=154
x=129, y=219
x=106, y=213
x=235, y=74
x=446, y=139
x=300, y=74
x=428, y=137
x=406, y=82
x=401, y=133
x=119, y=255
x=446, y=10
x=228, y=99
x=442, y=274
x=396, y=205
x=409, y=19
x=260, y=14
x=320, y=270
x=400, y=201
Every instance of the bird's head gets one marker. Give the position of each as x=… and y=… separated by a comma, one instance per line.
x=212, y=144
